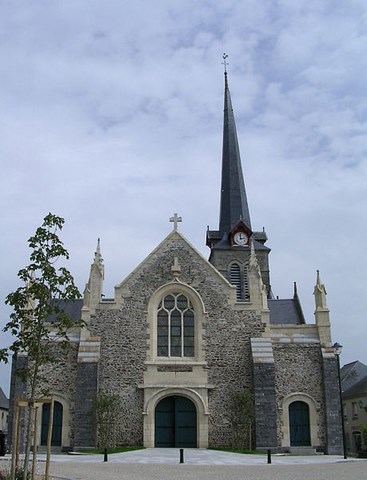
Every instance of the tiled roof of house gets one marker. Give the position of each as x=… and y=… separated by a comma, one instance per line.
x=4, y=402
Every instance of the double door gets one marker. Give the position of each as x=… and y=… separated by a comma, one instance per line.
x=175, y=423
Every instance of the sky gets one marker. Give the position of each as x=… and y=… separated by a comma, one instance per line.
x=111, y=117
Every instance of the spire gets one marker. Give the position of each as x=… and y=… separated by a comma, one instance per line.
x=97, y=254
x=233, y=203
x=93, y=289
x=320, y=294
x=322, y=312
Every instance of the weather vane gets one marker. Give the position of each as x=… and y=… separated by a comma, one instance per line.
x=225, y=63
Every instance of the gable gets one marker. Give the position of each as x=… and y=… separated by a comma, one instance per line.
x=156, y=269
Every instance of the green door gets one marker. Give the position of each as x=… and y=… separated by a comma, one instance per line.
x=56, y=427
x=175, y=423
x=299, y=423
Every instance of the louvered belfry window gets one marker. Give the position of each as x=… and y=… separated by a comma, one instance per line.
x=239, y=278
x=175, y=329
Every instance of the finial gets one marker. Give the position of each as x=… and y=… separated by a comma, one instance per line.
x=175, y=219
x=253, y=263
x=294, y=289
x=320, y=293
x=225, y=63
x=97, y=254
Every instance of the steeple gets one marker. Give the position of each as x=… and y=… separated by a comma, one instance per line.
x=232, y=241
x=233, y=202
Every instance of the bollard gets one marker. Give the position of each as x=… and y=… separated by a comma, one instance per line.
x=181, y=455
x=105, y=458
x=269, y=456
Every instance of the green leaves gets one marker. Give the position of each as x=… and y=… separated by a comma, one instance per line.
x=46, y=287
x=106, y=409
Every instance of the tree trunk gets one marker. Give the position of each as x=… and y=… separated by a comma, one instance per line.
x=28, y=440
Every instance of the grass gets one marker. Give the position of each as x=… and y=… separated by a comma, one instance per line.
x=110, y=451
x=233, y=450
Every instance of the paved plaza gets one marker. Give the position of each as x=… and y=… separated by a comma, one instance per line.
x=163, y=464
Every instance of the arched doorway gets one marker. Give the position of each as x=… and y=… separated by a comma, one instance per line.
x=57, y=424
x=175, y=423
x=299, y=424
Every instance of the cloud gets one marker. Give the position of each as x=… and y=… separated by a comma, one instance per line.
x=112, y=117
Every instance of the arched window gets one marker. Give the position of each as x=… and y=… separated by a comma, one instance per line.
x=239, y=278
x=175, y=327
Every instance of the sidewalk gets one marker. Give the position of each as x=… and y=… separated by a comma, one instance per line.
x=195, y=456
x=163, y=464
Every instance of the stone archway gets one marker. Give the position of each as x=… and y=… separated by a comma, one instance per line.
x=313, y=420
x=198, y=399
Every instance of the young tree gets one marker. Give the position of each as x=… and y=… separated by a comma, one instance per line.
x=363, y=429
x=106, y=409
x=242, y=415
x=38, y=320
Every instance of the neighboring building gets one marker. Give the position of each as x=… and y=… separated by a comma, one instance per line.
x=354, y=392
x=4, y=411
x=182, y=335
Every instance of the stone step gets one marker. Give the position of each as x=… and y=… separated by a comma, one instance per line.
x=302, y=451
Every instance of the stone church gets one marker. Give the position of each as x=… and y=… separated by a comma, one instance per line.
x=183, y=334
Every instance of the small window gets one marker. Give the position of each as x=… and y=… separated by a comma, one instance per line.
x=239, y=278
x=175, y=327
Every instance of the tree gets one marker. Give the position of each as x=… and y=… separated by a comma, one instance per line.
x=38, y=320
x=363, y=429
x=242, y=415
x=106, y=409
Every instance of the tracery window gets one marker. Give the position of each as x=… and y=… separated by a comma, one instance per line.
x=239, y=278
x=175, y=327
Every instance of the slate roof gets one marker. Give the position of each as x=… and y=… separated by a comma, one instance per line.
x=285, y=311
x=233, y=202
x=71, y=308
x=223, y=241
x=282, y=311
x=358, y=389
x=351, y=374
x=4, y=402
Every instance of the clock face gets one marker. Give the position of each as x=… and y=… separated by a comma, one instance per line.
x=240, y=238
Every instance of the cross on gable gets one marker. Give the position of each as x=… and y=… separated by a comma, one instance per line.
x=175, y=219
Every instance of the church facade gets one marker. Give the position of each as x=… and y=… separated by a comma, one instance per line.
x=183, y=335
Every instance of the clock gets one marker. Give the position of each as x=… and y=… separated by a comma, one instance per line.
x=240, y=238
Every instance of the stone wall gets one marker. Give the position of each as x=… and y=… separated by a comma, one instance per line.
x=334, y=433
x=221, y=259
x=265, y=405
x=59, y=378
x=124, y=341
x=18, y=389
x=121, y=366
x=228, y=355
x=61, y=382
x=86, y=388
x=298, y=369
